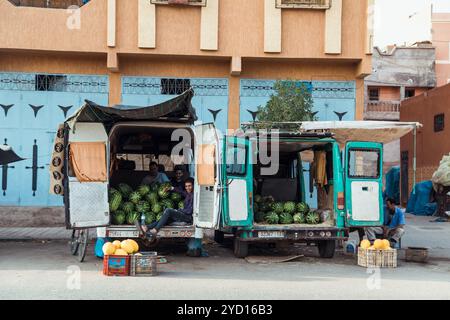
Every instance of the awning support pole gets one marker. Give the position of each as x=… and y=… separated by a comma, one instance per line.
x=415, y=159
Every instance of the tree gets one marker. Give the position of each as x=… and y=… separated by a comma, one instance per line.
x=292, y=102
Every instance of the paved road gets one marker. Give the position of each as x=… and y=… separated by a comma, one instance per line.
x=46, y=270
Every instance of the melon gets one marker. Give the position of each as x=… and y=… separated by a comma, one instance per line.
x=386, y=244
x=135, y=245
x=278, y=207
x=144, y=189
x=302, y=207
x=135, y=197
x=152, y=197
x=127, y=246
x=378, y=244
x=114, y=201
x=365, y=244
x=116, y=243
x=181, y=205
x=286, y=218
x=108, y=249
x=371, y=248
x=289, y=207
x=299, y=218
x=120, y=252
x=312, y=218
x=272, y=218
x=125, y=190
x=175, y=197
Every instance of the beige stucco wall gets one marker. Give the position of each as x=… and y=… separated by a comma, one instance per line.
x=441, y=40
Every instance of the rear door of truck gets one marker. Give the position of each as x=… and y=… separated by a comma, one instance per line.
x=237, y=182
x=364, y=184
x=87, y=176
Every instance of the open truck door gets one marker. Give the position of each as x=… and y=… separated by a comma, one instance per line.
x=207, y=177
x=364, y=184
x=86, y=183
x=238, y=182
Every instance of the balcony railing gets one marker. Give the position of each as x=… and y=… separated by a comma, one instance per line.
x=382, y=110
x=55, y=4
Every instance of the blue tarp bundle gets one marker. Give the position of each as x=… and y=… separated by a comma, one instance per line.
x=419, y=200
x=393, y=184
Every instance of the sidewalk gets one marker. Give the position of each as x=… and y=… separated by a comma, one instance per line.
x=35, y=233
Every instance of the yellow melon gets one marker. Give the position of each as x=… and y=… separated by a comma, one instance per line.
x=371, y=248
x=127, y=246
x=135, y=245
x=138, y=254
x=378, y=244
x=108, y=249
x=365, y=244
x=116, y=243
x=386, y=244
x=120, y=252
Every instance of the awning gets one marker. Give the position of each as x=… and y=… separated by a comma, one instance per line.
x=343, y=131
x=178, y=109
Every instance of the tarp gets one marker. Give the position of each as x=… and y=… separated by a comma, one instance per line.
x=419, y=200
x=343, y=131
x=178, y=109
x=393, y=184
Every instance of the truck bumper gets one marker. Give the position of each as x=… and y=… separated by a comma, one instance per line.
x=293, y=234
x=166, y=232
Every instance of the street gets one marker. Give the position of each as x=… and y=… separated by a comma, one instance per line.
x=46, y=270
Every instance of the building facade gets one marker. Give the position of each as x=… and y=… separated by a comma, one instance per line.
x=441, y=40
x=142, y=52
x=432, y=110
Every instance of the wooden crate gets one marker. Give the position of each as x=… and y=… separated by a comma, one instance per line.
x=144, y=265
x=416, y=254
x=377, y=258
x=116, y=265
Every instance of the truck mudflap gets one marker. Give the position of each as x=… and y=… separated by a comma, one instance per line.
x=293, y=234
x=166, y=232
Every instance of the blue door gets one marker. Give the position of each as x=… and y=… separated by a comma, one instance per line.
x=32, y=106
x=210, y=100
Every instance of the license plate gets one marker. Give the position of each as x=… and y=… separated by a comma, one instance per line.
x=271, y=234
x=123, y=234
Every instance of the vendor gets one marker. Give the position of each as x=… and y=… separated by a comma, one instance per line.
x=394, y=227
x=172, y=215
x=155, y=175
x=178, y=180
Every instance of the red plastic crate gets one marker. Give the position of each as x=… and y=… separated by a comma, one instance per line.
x=116, y=265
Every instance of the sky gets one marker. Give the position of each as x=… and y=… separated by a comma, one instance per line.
x=405, y=21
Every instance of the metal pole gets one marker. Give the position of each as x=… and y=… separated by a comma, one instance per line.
x=415, y=159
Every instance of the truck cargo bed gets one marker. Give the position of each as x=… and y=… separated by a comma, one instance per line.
x=165, y=232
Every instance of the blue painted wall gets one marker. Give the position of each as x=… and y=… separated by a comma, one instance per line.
x=29, y=126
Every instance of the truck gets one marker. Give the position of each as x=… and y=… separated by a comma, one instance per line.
x=98, y=148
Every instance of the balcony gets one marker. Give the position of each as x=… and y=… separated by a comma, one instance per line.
x=54, y=4
x=382, y=110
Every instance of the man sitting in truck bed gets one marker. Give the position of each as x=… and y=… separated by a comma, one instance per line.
x=155, y=175
x=172, y=215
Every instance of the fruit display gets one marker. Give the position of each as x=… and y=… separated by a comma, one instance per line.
x=127, y=205
x=120, y=248
x=379, y=244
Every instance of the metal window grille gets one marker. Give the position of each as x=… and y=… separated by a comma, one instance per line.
x=56, y=4
x=174, y=86
x=374, y=94
x=439, y=122
x=181, y=2
x=44, y=82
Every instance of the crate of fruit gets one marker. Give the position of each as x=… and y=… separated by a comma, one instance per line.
x=379, y=255
x=144, y=264
x=116, y=265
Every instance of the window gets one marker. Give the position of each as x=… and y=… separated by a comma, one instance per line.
x=45, y=82
x=174, y=86
x=309, y=4
x=236, y=160
x=374, y=94
x=181, y=2
x=364, y=163
x=439, y=122
x=409, y=93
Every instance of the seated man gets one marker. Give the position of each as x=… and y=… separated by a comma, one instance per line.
x=178, y=180
x=173, y=215
x=394, y=227
x=155, y=175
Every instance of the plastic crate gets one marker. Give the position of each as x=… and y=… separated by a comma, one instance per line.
x=116, y=265
x=377, y=258
x=144, y=265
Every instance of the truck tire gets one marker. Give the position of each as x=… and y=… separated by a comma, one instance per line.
x=240, y=248
x=219, y=236
x=326, y=248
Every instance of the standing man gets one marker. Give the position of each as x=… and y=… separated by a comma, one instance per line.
x=155, y=175
x=173, y=215
x=394, y=227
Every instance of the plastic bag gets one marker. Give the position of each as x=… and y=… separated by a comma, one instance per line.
x=442, y=174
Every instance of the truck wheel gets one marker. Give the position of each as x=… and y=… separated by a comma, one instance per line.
x=240, y=248
x=219, y=236
x=326, y=248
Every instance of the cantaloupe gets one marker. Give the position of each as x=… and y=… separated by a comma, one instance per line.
x=108, y=249
x=371, y=248
x=135, y=245
x=120, y=252
x=365, y=244
x=116, y=243
x=127, y=246
x=386, y=244
x=378, y=244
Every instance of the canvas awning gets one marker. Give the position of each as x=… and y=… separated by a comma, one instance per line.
x=178, y=109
